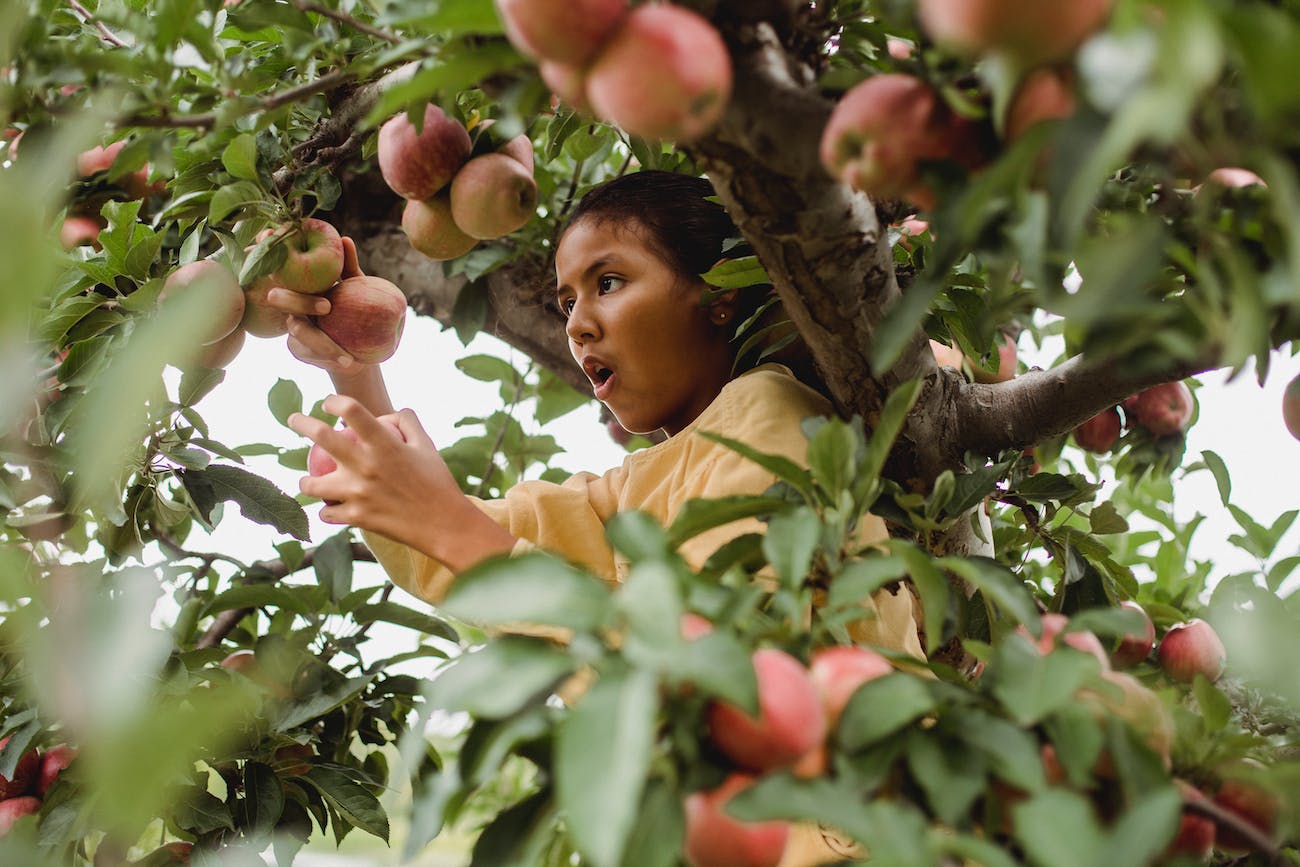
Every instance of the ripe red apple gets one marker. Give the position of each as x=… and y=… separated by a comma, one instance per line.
x=79, y=231
x=1164, y=409
x=321, y=462
x=1053, y=635
x=220, y=290
x=492, y=195
x=837, y=672
x=694, y=626
x=415, y=165
x=13, y=809
x=715, y=839
x=53, y=762
x=945, y=355
x=1007, y=357
x=1032, y=31
x=431, y=230
x=791, y=719
x=1250, y=802
x=313, y=256
x=1233, y=178
x=566, y=31
x=24, y=773
x=664, y=74
x=520, y=148
x=566, y=81
x=101, y=159
x=1195, y=836
x=1291, y=407
x=366, y=318
x=1192, y=648
x=1099, y=433
x=216, y=356
x=260, y=319
x=1134, y=647
x=1045, y=94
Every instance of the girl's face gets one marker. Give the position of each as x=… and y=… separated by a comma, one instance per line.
x=654, y=356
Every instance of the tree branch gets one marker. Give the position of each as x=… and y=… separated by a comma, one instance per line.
x=1257, y=839
x=344, y=18
x=326, y=82
x=104, y=33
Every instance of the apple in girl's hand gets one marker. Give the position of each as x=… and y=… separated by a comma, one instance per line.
x=366, y=318
x=492, y=195
x=1164, y=409
x=791, y=719
x=220, y=290
x=715, y=839
x=1192, y=648
x=24, y=772
x=13, y=809
x=567, y=31
x=1134, y=647
x=417, y=165
x=53, y=762
x=321, y=462
x=432, y=231
x=261, y=319
x=1099, y=433
x=313, y=256
x=837, y=672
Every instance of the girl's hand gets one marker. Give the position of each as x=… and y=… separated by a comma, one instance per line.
x=307, y=342
x=392, y=481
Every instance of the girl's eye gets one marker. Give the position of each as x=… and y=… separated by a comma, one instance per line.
x=609, y=283
x=565, y=305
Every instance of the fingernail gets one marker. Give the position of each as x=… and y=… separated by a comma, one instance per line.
x=323, y=307
x=345, y=360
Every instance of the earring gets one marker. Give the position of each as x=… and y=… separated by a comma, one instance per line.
x=722, y=317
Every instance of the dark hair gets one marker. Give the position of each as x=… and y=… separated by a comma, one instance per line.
x=681, y=222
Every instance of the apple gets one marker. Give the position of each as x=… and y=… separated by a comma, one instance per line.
x=1053, y=770
x=261, y=319
x=1231, y=177
x=293, y=760
x=1164, y=409
x=945, y=355
x=53, y=763
x=321, y=462
x=1135, y=705
x=899, y=49
x=25, y=773
x=520, y=148
x=79, y=231
x=1192, y=648
x=417, y=165
x=431, y=230
x=1134, y=647
x=1291, y=407
x=909, y=228
x=566, y=81
x=13, y=809
x=791, y=718
x=565, y=31
x=492, y=195
x=1099, y=433
x=837, y=672
x=1248, y=801
x=1045, y=94
x=241, y=661
x=1195, y=835
x=715, y=839
x=694, y=626
x=101, y=159
x=664, y=74
x=1032, y=31
x=176, y=852
x=1007, y=357
x=366, y=318
x=215, y=356
x=221, y=293
x=313, y=256
x=1054, y=634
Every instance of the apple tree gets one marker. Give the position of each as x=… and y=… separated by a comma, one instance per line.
x=929, y=189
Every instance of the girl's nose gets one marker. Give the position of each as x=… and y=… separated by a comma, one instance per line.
x=581, y=326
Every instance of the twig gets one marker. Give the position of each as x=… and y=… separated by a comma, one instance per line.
x=1254, y=837
x=269, y=103
x=104, y=33
x=347, y=19
x=174, y=548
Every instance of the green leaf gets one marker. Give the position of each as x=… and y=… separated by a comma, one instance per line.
x=651, y=602
x=997, y=582
x=638, y=535
x=1216, y=466
x=656, y=839
x=240, y=157
x=489, y=368
x=832, y=454
x=284, y=399
x=932, y=588
x=290, y=715
x=696, y=516
x=881, y=707
x=951, y=777
x=784, y=468
x=790, y=544
x=860, y=578
x=233, y=198
x=717, y=664
x=1105, y=519
x=1215, y=707
x=533, y=588
x=301, y=600
x=258, y=500
x=1143, y=830
x=400, y=615
x=892, y=415
x=352, y=800
x=1032, y=686
x=1013, y=753
x=263, y=799
x=333, y=565
x=556, y=398
x=1057, y=829
x=499, y=679
x=737, y=273
x=602, y=755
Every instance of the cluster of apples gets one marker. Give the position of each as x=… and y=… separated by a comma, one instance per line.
x=366, y=316
x=798, y=709
x=886, y=129
x=453, y=200
x=22, y=793
x=82, y=226
x=1163, y=410
x=659, y=71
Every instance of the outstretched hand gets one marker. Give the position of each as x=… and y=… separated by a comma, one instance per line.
x=392, y=481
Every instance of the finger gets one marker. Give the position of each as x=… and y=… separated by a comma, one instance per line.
x=408, y=425
x=351, y=265
x=309, y=343
x=333, y=441
x=355, y=415
x=296, y=303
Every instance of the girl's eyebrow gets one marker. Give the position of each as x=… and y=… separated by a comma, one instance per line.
x=587, y=272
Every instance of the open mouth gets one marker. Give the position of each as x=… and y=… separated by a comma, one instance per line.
x=602, y=375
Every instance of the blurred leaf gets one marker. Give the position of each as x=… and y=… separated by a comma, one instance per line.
x=881, y=707
x=1220, y=471
x=240, y=157
x=400, y=615
x=497, y=680
x=790, y=543
x=333, y=565
x=534, y=588
x=697, y=516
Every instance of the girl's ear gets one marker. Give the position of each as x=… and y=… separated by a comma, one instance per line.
x=722, y=307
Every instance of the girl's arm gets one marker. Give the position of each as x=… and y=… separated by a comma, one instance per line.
x=392, y=481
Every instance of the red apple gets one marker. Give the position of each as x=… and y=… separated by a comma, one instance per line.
x=417, y=165
x=1195, y=836
x=1135, y=705
x=241, y=661
x=1134, y=647
x=566, y=81
x=1045, y=94
x=79, y=231
x=899, y=49
x=1192, y=648
x=1291, y=407
x=313, y=256
x=261, y=319
x=492, y=195
x=1099, y=433
x=13, y=809
x=366, y=318
x=520, y=148
x=1250, y=802
x=664, y=74
x=177, y=852
x=321, y=462
x=431, y=230
x=1233, y=178
x=694, y=626
x=566, y=31
x=945, y=355
x=101, y=159
x=791, y=719
x=53, y=763
x=24, y=773
x=837, y=672
x=909, y=228
x=1031, y=30
x=220, y=291
x=1007, y=357
x=215, y=356
x=715, y=839
x=1164, y=409
x=1054, y=634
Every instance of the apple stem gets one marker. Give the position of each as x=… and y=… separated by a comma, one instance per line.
x=1257, y=839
